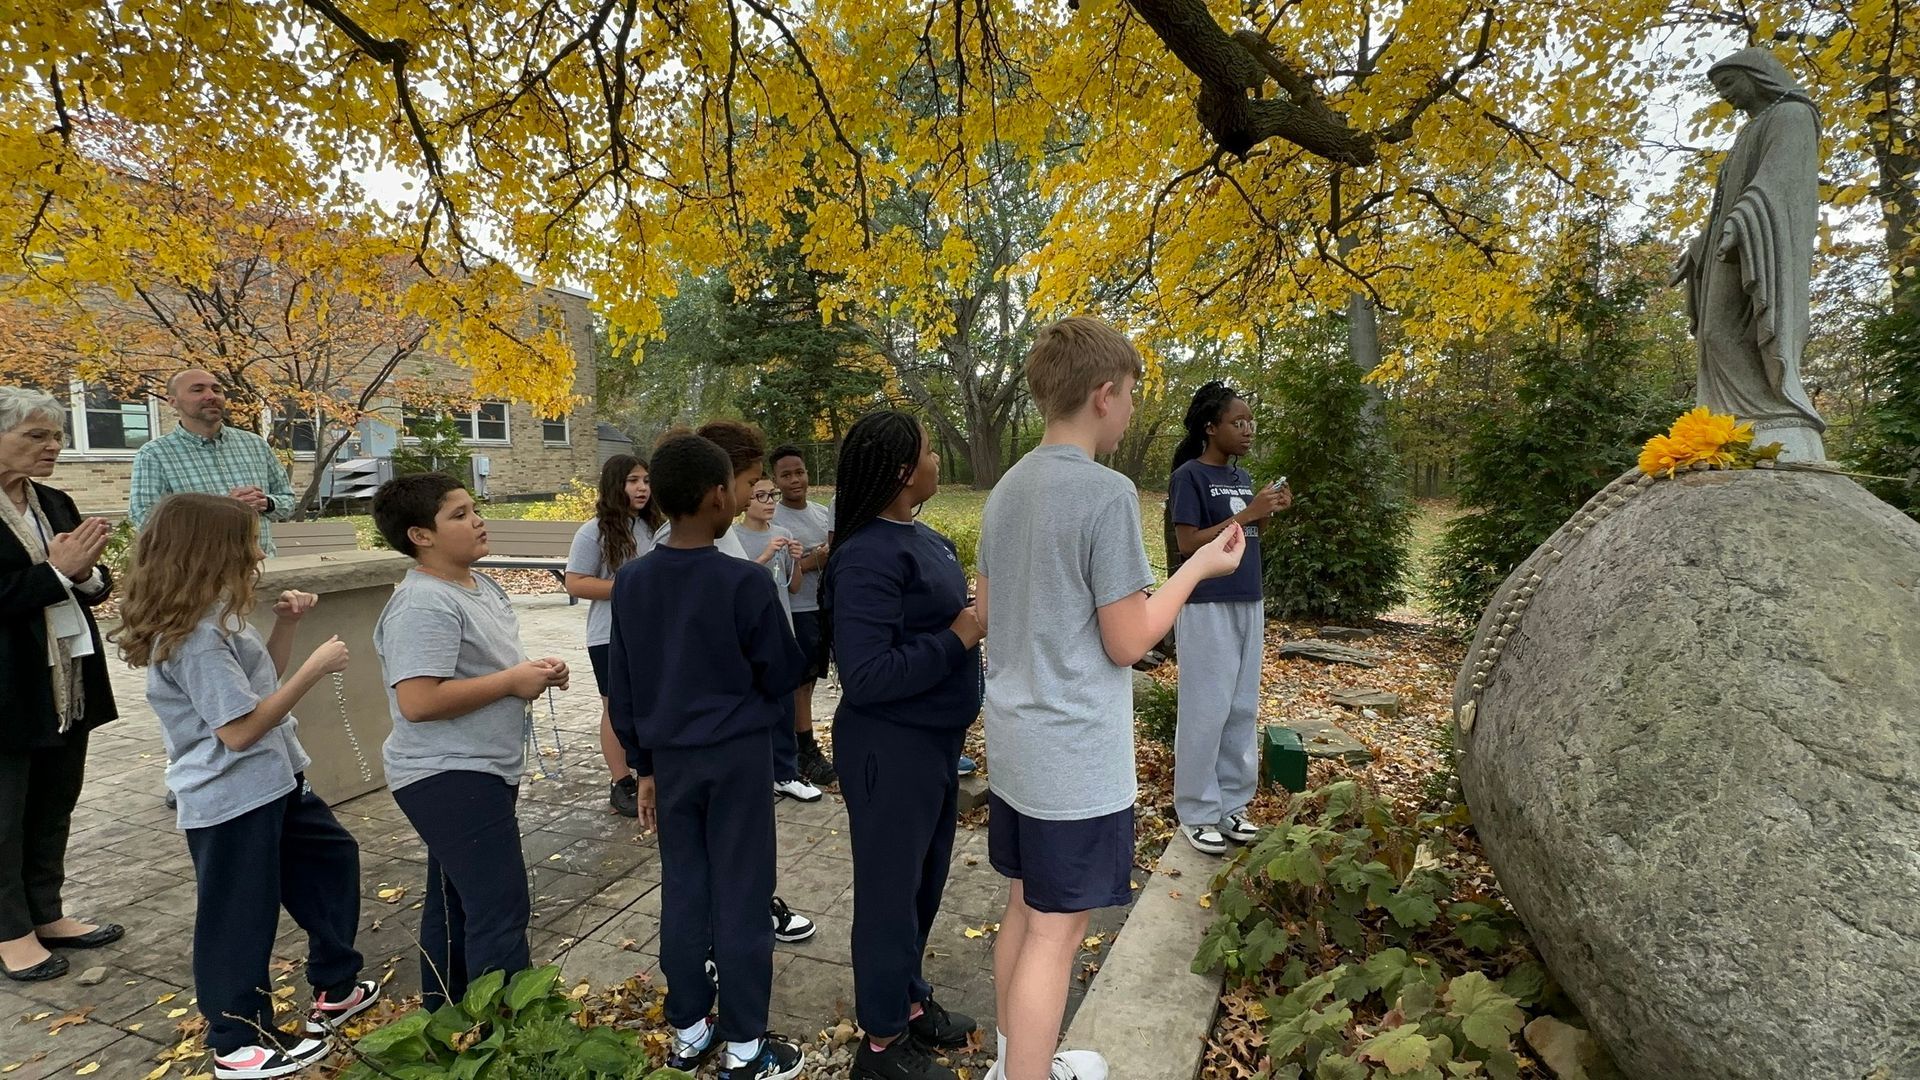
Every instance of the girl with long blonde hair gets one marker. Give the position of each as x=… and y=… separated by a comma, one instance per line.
x=260, y=838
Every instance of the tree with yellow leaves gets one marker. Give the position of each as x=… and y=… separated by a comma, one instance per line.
x=1410, y=150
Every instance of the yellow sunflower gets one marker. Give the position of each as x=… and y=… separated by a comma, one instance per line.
x=1715, y=438
x=1663, y=455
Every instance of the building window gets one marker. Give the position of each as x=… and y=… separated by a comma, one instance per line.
x=102, y=421
x=555, y=432
x=292, y=427
x=485, y=422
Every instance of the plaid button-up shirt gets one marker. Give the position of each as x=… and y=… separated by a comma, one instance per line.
x=182, y=461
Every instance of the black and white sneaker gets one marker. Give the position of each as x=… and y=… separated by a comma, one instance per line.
x=796, y=789
x=282, y=1054
x=328, y=1014
x=789, y=925
x=687, y=1055
x=942, y=1030
x=1238, y=829
x=902, y=1059
x=815, y=769
x=778, y=1059
x=1205, y=838
x=624, y=797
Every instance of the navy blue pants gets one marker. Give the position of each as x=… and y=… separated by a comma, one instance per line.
x=476, y=912
x=289, y=853
x=786, y=744
x=715, y=807
x=902, y=790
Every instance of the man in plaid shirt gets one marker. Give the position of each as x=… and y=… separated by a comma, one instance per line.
x=206, y=455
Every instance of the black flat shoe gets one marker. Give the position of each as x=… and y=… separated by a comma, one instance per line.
x=104, y=934
x=51, y=968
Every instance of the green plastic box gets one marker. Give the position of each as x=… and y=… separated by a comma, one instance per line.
x=1283, y=758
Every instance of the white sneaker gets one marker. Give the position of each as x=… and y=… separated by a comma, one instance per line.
x=326, y=1015
x=797, y=790
x=788, y=925
x=1205, y=838
x=1067, y=1065
x=1238, y=829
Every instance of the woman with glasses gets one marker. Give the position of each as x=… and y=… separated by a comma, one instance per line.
x=53, y=675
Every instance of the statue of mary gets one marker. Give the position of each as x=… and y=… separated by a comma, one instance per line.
x=1748, y=274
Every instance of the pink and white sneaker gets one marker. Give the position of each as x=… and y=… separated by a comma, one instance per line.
x=282, y=1055
x=328, y=1014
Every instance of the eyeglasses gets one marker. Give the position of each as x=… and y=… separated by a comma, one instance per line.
x=765, y=496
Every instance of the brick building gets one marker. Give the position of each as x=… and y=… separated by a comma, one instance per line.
x=526, y=455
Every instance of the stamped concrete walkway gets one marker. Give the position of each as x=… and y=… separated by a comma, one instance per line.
x=595, y=882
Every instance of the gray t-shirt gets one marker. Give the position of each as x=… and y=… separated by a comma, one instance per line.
x=1060, y=540
x=727, y=544
x=809, y=525
x=212, y=679
x=584, y=558
x=751, y=544
x=434, y=627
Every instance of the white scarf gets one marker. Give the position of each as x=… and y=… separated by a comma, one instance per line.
x=66, y=625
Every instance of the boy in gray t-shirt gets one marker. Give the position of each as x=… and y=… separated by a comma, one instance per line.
x=460, y=688
x=1060, y=544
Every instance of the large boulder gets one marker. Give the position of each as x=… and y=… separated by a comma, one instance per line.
x=1690, y=738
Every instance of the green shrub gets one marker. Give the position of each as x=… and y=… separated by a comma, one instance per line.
x=436, y=446
x=1341, y=551
x=574, y=504
x=520, y=1030
x=1156, y=710
x=1887, y=442
x=1352, y=913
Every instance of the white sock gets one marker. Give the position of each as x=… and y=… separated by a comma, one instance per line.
x=742, y=1053
x=695, y=1038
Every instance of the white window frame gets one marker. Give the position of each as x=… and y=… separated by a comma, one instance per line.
x=270, y=416
x=77, y=424
x=566, y=431
x=471, y=417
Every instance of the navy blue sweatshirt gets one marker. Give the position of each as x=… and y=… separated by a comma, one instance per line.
x=701, y=652
x=896, y=591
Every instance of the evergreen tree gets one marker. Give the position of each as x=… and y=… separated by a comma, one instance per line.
x=1888, y=441
x=1341, y=551
x=1583, y=402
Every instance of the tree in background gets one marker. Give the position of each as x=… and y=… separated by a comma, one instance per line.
x=1588, y=385
x=1888, y=440
x=1341, y=551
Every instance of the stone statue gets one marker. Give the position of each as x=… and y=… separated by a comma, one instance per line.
x=1748, y=274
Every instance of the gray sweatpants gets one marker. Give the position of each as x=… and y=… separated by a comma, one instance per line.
x=1216, y=754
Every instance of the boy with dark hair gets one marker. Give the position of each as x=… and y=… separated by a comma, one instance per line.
x=699, y=664
x=808, y=522
x=459, y=685
x=1074, y=577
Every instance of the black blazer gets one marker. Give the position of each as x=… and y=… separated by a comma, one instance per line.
x=28, y=718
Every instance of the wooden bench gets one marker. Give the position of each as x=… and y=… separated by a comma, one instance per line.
x=314, y=537
x=530, y=545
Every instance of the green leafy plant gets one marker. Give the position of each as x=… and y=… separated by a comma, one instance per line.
x=525, y=1029
x=959, y=526
x=1887, y=438
x=1156, y=710
x=1375, y=947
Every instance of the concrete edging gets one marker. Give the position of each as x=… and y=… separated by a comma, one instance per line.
x=1147, y=1012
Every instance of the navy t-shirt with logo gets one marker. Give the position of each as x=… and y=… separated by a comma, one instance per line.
x=1203, y=496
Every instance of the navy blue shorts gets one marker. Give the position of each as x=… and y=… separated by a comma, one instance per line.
x=813, y=645
x=597, y=656
x=1063, y=866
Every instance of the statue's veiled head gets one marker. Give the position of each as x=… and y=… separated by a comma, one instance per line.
x=1752, y=79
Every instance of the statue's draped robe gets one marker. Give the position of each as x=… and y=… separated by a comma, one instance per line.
x=1749, y=313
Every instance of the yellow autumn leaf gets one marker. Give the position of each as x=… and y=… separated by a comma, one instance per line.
x=175, y=1014
x=158, y=1072
x=88, y=1069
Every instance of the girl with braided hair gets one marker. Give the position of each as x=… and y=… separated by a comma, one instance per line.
x=906, y=638
x=1222, y=628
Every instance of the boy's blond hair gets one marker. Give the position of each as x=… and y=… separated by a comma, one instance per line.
x=1074, y=357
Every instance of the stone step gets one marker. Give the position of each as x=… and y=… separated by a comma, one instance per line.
x=1147, y=1012
x=1379, y=701
x=1331, y=652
